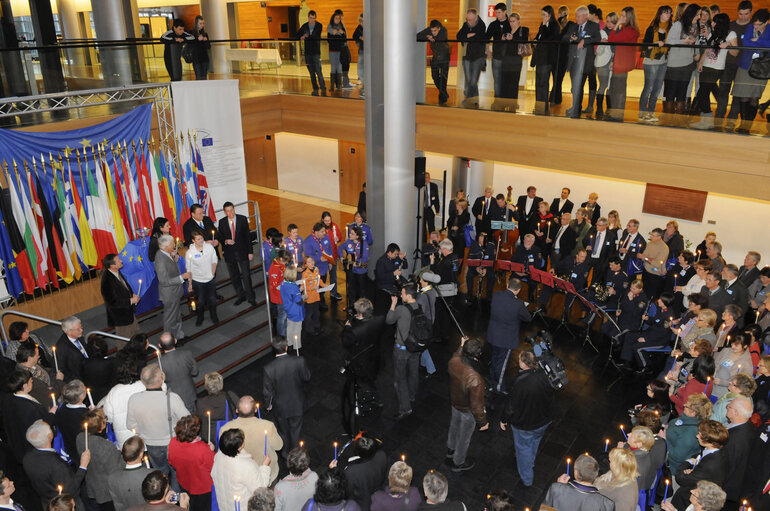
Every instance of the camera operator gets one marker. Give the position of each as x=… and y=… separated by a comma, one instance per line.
x=387, y=272
x=528, y=411
x=430, y=248
x=427, y=299
x=446, y=266
x=360, y=338
x=406, y=364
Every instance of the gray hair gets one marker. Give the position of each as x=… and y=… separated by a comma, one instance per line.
x=213, y=383
x=711, y=496
x=38, y=434
x=435, y=486
x=164, y=241
x=446, y=244
x=151, y=375
x=69, y=323
x=364, y=307
x=582, y=10
x=263, y=499
x=74, y=391
x=602, y=220
x=743, y=406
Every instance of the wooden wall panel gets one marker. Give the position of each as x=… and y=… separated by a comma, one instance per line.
x=188, y=14
x=252, y=21
x=448, y=13
x=338, y=118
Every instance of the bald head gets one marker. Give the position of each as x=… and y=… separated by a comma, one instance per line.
x=740, y=409
x=246, y=406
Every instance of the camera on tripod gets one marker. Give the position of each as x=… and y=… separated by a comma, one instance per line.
x=552, y=365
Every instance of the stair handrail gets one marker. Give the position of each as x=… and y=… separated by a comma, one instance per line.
x=27, y=315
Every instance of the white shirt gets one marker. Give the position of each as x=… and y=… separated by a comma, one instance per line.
x=597, y=248
x=115, y=405
x=528, y=204
x=558, y=236
x=237, y=476
x=199, y=262
x=561, y=203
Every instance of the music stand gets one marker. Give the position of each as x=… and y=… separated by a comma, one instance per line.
x=610, y=359
x=545, y=278
x=592, y=308
x=568, y=289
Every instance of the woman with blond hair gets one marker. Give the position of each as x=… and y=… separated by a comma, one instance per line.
x=619, y=483
x=400, y=495
x=640, y=441
x=682, y=434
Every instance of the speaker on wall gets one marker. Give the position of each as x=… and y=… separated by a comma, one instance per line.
x=419, y=171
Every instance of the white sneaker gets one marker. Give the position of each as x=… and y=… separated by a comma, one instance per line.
x=651, y=117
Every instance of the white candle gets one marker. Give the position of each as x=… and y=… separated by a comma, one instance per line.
x=53, y=399
x=59, y=487
x=90, y=399
x=208, y=417
x=139, y=292
x=55, y=360
x=85, y=430
x=146, y=461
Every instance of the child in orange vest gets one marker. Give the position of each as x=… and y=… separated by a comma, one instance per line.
x=312, y=281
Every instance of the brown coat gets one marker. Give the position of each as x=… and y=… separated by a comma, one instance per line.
x=466, y=388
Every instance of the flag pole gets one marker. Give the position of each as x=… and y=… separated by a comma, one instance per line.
x=82, y=183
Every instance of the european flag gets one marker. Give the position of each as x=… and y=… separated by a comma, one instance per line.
x=12, y=277
x=137, y=265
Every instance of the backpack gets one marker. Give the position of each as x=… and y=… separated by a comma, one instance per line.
x=420, y=331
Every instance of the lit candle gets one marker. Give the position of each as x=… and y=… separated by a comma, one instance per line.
x=56, y=360
x=623, y=430
x=706, y=389
x=176, y=245
x=212, y=234
x=757, y=320
x=90, y=399
x=739, y=369
x=335, y=451
x=665, y=494
x=301, y=444
x=265, y=442
x=295, y=344
x=85, y=429
x=606, y=444
x=568, y=462
x=139, y=292
x=146, y=461
x=192, y=305
x=403, y=458
x=133, y=431
x=675, y=277
x=259, y=414
x=59, y=487
x=208, y=418
x=235, y=502
x=53, y=399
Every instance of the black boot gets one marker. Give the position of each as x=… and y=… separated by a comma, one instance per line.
x=599, y=106
x=199, y=319
x=214, y=317
x=339, y=81
x=332, y=81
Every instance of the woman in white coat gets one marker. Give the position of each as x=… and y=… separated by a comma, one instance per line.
x=235, y=473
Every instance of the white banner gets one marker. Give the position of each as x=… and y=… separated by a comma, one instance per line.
x=212, y=108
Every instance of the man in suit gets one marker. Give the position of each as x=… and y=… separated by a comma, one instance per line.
x=180, y=367
x=283, y=388
x=734, y=287
x=157, y=493
x=254, y=434
x=311, y=32
x=431, y=205
x=20, y=410
x=575, y=269
x=631, y=242
x=582, y=37
x=481, y=209
x=69, y=418
x=600, y=248
x=47, y=471
x=526, y=210
x=593, y=209
x=198, y=221
x=170, y=285
x=506, y=314
x=119, y=299
x=718, y=297
x=563, y=241
x=738, y=447
x=43, y=382
x=562, y=205
x=125, y=485
x=749, y=272
x=235, y=237
x=70, y=349
x=6, y=490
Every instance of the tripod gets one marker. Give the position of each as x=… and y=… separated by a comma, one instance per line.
x=351, y=395
x=569, y=301
x=417, y=254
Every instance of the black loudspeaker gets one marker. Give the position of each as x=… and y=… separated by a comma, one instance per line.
x=419, y=171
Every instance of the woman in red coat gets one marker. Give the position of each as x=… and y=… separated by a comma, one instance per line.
x=192, y=458
x=627, y=31
x=698, y=381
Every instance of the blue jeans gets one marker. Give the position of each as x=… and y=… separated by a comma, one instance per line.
x=427, y=362
x=526, y=443
x=313, y=63
x=334, y=60
x=497, y=74
x=280, y=323
x=653, y=82
x=361, y=67
x=472, y=70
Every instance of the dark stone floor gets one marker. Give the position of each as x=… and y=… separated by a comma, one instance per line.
x=585, y=413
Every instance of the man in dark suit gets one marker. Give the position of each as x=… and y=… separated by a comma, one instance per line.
x=506, y=314
x=125, y=485
x=362, y=200
x=738, y=448
x=47, y=471
x=482, y=207
x=526, y=210
x=198, y=221
x=20, y=411
x=718, y=297
x=156, y=492
x=170, y=285
x=235, y=237
x=562, y=205
x=631, y=242
x=600, y=248
x=582, y=37
x=69, y=417
x=180, y=367
x=734, y=287
x=70, y=349
x=430, y=206
x=564, y=240
x=575, y=270
x=749, y=272
x=284, y=391
x=594, y=210
x=119, y=299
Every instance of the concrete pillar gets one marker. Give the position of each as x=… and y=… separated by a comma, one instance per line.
x=14, y=70
x=134, y=31
x=68, y=19
x=472, y=176
x=421, y=21
x=110, y=24
x=215, y=14
x=45, y=35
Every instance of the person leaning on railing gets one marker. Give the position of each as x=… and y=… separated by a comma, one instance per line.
x=655, y=60
x=681, y=62
x=544, y=57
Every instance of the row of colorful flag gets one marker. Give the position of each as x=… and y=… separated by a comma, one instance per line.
x=62, y=214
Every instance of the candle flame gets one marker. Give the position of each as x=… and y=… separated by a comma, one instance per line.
x=335, y=444
x=85, y=426
x=668, y=482
x=301, y=443
x=208, y=412
x=403, y=457
x=569, y=460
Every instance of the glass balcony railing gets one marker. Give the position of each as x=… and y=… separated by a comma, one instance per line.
x=622, y=86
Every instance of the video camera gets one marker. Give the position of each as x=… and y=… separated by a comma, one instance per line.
x=553, y=366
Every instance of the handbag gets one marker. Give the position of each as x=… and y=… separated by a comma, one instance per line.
x=760, y=67
x=525, y=50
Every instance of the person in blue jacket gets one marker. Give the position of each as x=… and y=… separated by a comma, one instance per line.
x=295, y=245
x=354, y=254
x=359, y=220
x=316, y=245
x=271, y=243
x=293, y=305
x=507, y=311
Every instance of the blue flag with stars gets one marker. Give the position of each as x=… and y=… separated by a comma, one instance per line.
x=12, y=277
x=137, y=265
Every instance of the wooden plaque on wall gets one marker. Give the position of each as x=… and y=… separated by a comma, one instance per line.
x=670, y=201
